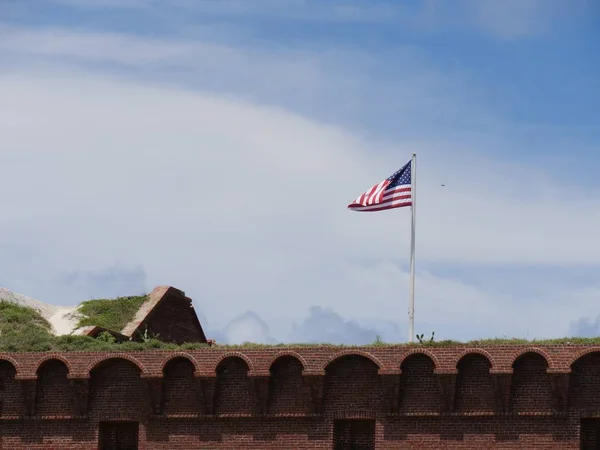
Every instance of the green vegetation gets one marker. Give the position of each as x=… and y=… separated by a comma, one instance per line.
x=23, y=329
x=445, y=343
x=112, y=314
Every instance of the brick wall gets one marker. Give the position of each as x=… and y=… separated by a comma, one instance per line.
x=173, y=320
x=53, y=390
x=585, y=382
x=352, y=386
x=397, y=397
x=531, y=389
x=287, y=391
x=11, y=403
x=419, y=385
x=474, y=386
x=181, y=390
x=233, y=392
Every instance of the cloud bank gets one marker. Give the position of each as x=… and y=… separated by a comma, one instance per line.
x=130, y=161
x=242, y=204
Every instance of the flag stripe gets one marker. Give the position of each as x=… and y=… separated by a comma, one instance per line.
x=402, y=195
x=396, y=202
x=375, y=208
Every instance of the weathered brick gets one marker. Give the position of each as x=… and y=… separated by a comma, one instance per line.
x=445, y=397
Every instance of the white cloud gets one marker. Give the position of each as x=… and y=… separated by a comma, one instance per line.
x=242, y=205
x=99, y=47
x=247, y=328
x=239, y=204
x=258, y=73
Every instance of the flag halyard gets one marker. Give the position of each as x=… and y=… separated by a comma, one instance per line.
x=393, y=192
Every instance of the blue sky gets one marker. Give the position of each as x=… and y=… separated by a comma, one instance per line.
x=317, y=100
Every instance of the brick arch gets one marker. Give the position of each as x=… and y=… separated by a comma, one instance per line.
x=531, y=390
x=292, y=354
x=183, y=355
x=364, y=354
x=419, y=383
x=53, y=388
x=422, y=351
x=181, y=393
x=54, y=357
x=581, y=353
x=474, y=388
x=537, y=350
x=475, y=351
x=14, y=363
x=101, y=359
x=239, y=355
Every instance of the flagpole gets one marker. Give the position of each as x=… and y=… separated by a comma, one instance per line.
x=411, y=304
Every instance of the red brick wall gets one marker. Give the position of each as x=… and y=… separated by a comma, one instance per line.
x=474, y=385
x=420, y=388
x=174, y=320
x=352, y=385
x=233, y=393
x=287, y=389
x=181, y=391
x=479, y=433
x=117, y=391
x=11, y=403
x=49, y=434
x=240, y=434
x=379, y=397
x=585, y=383
x=53, y=396
x=531, y=389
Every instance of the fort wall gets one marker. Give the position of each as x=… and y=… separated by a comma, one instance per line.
x=305, y=397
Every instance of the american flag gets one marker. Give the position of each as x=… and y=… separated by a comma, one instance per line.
x=393, y=192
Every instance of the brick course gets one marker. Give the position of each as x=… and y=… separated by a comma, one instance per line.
x=321, y=397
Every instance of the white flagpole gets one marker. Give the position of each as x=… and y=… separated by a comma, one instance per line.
x=411, y=304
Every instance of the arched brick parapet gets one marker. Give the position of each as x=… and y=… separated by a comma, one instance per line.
x=419, y=383
x=581, y=353
x=290, y=354
x=537, y=350
x=12, y=387
x=53, y=388
x=14, y=363
x=239, y=355
x=366, y=355
x=436, y=363
x=287, y=384
x=234, y=390
x=352, y=383
x=531, y=389
x=478, y=351
x=584, y=379
x=177, y=355
x=474, y=390
x=105, y=357
x=55, y=357
x=181, y=393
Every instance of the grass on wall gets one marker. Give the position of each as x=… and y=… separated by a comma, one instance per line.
x=112, y=314
x=23, y=329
